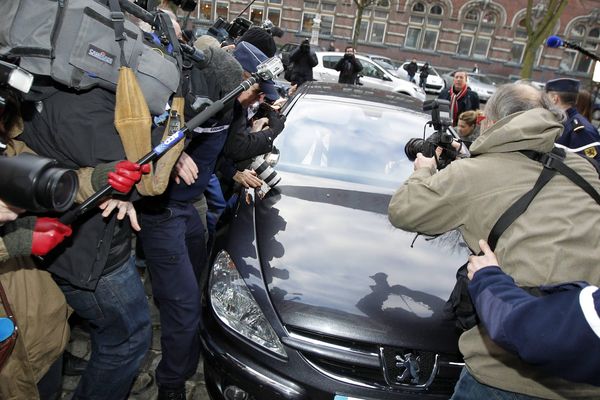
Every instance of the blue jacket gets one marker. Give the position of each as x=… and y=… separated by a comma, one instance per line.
x=579, y=132
x=558, y=332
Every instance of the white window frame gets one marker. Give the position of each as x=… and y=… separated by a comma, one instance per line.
x=470, y=46
x=269, y=9
x=416, y=28
x=259, y=8
x=487, y=49
x=520, y=60
x=332, y=25
x=437, y=37
x=302, y=20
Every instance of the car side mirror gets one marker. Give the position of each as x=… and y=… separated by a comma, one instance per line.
x=387, y=78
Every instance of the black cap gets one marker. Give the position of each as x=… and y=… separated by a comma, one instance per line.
x=566, y=85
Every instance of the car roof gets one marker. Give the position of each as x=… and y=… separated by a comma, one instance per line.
x=359, y=94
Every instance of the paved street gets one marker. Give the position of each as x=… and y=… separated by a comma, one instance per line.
x=144, y=387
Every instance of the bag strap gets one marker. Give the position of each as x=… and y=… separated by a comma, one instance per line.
x=518, y=207
x=118, y=21
x=567, y=172
x=552, y=162
x=6, y=305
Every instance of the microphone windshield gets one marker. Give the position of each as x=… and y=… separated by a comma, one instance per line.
x=554, y=41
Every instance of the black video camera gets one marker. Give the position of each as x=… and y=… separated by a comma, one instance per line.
x=443, y=136
x=225, y=31
x=28, y=181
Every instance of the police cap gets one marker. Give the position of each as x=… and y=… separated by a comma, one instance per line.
x=566, y=85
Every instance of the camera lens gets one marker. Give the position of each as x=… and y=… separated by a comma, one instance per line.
x=35, y=184
x=412, y=147
x=265, y=172
x=56, y=189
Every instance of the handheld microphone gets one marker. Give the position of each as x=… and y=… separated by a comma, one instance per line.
x=554, y=41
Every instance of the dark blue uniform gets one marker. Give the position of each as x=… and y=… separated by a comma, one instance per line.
x=579, y=132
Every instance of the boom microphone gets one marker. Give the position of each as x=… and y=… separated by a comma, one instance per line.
x=554, y=41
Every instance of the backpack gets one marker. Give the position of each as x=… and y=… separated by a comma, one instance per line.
x=73, y=42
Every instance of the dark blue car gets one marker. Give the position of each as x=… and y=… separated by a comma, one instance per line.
x=312, y=294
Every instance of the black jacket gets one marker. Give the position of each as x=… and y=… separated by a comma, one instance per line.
x=411, y=68
x=349, y=68
x=242, y=144
x=304, y=60
x=469, y=102
x=77, y=129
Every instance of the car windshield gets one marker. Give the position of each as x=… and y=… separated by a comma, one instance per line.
x=340, y=138
x=481, y=78
x=387, y=66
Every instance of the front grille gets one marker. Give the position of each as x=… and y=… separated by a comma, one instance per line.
x=370, y=365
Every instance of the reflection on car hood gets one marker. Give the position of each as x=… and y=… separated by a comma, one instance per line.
x=334, y=264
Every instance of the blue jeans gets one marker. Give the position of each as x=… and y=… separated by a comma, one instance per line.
x=175, y=249
x=467, y=388
x=215, y=202
x=119, y=319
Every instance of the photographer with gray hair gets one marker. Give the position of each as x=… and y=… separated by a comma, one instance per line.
x=554, y=241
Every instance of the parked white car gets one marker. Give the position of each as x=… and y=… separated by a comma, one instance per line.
x=435, y=83
x=372, y=75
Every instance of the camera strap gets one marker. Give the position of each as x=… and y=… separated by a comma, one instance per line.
x=460, y=304
x=553, y=163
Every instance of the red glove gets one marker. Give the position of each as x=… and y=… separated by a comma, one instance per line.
x=126, y=175
x=47, y=234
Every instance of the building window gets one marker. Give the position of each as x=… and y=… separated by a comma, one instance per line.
x=587, y=34
x=516, y=52
x=423, y=27
x=418, y=7
x=430, y=39
x=223, y=10
x=481, y=22
x=311, y=5
x=464, y=45
x=364, y=27
x=377, y=32
x=256, y=16
x=436, y=10
x=274, y=1
x=412, y=37
x=205, y=10
x=567, y=61
x=328, y=7
x=274, y=15
x=480, y=49
x=326, y=25
x=518, y=46
x=307, y=22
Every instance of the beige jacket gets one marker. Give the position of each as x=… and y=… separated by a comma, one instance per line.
x=555, y=240
x=41, y=312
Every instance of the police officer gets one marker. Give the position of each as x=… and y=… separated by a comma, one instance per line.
x=578, y=131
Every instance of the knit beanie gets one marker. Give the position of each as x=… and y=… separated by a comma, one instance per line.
x=261, y=39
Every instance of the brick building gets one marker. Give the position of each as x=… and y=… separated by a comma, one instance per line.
x=446, y=33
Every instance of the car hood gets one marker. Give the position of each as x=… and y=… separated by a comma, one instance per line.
x=334, y=264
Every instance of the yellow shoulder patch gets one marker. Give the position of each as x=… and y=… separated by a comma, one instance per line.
x=590, y=152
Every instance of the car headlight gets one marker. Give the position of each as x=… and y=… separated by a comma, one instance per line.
x=235, y=306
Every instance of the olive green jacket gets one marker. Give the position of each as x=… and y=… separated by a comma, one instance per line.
x=41, y=313
x=555, y=240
